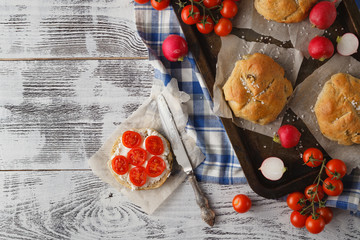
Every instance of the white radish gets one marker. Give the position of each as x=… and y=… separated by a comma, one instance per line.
x=347, y=44
x=272, y=168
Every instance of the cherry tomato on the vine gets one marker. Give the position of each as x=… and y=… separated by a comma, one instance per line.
x=297, y=219
x=313, y=157
x=296, y=200
x=315, y=224
x=211, y=3
x=223, y=27
x=160, y=4
x=190, y=14
x=326, y=213
x=333, y=187
x=241, y=203
x=206, y=25
x=335, y=168
x=314, y=192
x=229, y=9
x=141, y=1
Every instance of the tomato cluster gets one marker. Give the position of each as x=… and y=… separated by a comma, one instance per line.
x=309, y=207
x=209, y=15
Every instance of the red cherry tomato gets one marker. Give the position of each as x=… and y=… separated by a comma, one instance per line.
x=326, y=213
x=229, y=9
x=155, y=166
x=241, y=203
x=154, y=145
x=137, y=176
x=120, y=164
x=315, y=225
x=137, y=156
x=160, y=4
x=131, y=139
x=211, y=3
x=297, y=219
x=335, y=168
x=223, y=27
x=314, y=192
x=142, y=1
x=206, y=25
x=333, y=187
x=313, y=157
x=190, y=14
x=295, y=200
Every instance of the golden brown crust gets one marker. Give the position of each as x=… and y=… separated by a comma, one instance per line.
x=153, y=185
x=257, y=89
x=285, y=11
x=337, y=109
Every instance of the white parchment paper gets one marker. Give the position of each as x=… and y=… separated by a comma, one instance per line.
x=304, y=99
x=233, y=48
x=147, y=116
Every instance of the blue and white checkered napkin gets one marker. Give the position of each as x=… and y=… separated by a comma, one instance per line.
x=221, y=164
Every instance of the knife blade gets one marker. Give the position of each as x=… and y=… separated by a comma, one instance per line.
x=168, y=122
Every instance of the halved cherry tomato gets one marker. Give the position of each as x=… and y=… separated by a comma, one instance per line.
x=333, y=187
x=229, y=9
x=241, y=203
x=314, y=192
x=154, y=145
x=296, y=201
x=141, y=1
x=223, y=27
x=155, y=166
x=120, y=164
x=313, y=157
x=137, y=176
x=315, y=224
x=297, y=219
x=137, y=156
x=190, y=14
x=131, y=139
x=206, y=25
x=326, y=213
x=160, y=4
x=211, y=3
x=335, y=168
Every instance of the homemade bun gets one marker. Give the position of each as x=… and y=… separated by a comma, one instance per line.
x=337, y=109
x=151, y=183
x=284, y=11
x=257, y=89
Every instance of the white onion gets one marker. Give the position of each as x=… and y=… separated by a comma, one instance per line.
x=347, y=44
x=272, y=168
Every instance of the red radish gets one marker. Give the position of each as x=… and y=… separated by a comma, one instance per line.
x=323, y=14
x=347, y=44
x=272, y=168
x=320, y=48
x=288, y=136
x=174, y=48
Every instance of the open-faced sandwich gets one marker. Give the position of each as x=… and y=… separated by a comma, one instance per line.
x=141, y=159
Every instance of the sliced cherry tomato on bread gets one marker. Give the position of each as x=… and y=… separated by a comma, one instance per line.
x=120, y=164
x=137, y=176
x=154, y=145
x=137, y=156
x=131, y=139
x=155, y=166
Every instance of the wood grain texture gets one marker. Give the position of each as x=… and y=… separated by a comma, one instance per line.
x=32, y=208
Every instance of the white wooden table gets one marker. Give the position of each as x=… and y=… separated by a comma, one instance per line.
x=70, y=71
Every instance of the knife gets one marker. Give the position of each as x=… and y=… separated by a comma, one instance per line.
x=168, y=122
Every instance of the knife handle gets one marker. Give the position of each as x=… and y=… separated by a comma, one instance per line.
x=207, y=214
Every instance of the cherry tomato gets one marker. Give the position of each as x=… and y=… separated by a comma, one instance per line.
x=155, y=166
x=223, y=27
x=154, y=145
x=297, y=219
x=326, y=213
x=131, y=139
x=241, y=203
x=190, y=14
x=206, y=25
x=137, y=156
x=315, y=224
x=160, y=4
x=137, y=176
x=295, y=200
x=120, y=164
x=313, y=157
x=314, y=192
x=211, y=3
x=335, y=168
x=142, y=1
x=333, y=187
x=229, y=9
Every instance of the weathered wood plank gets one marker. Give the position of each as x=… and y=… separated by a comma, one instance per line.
x=76, y=205
x=51, y=28
x=56, y=114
